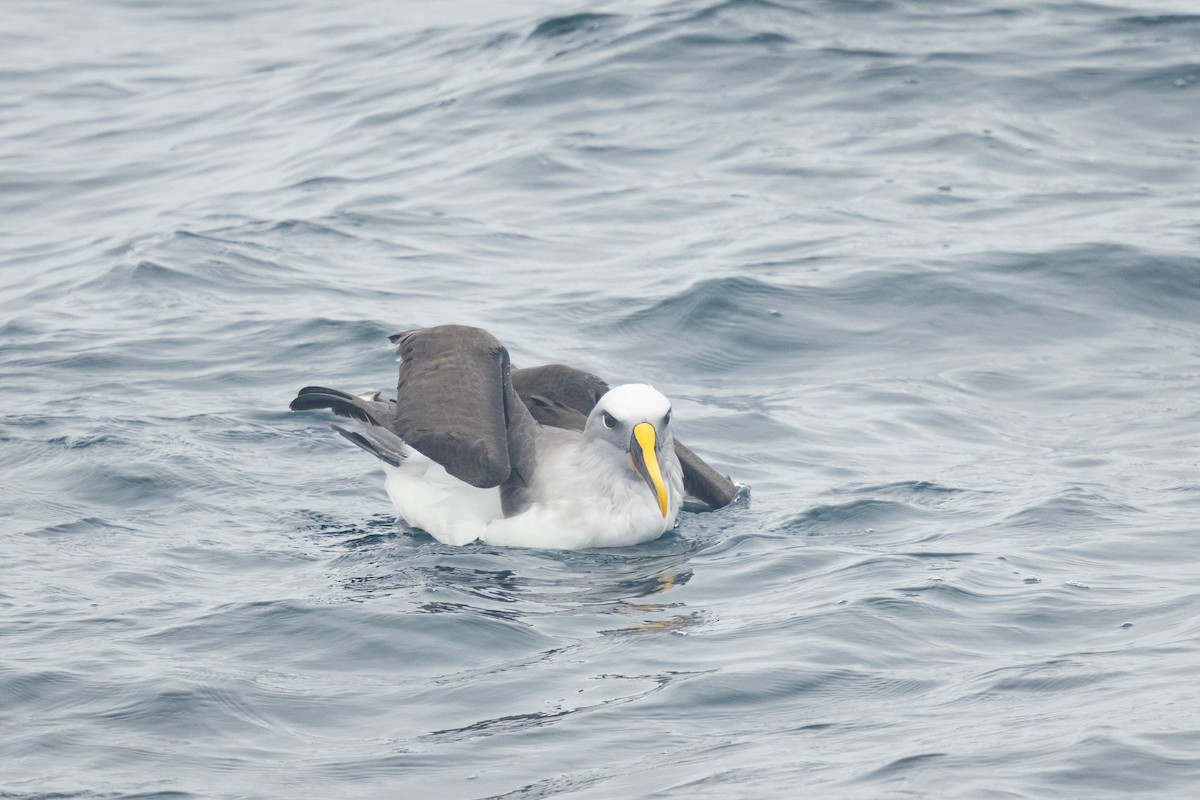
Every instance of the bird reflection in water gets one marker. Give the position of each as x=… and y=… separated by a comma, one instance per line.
x=377, y=560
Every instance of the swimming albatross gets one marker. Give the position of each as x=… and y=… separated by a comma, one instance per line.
x=541, y=457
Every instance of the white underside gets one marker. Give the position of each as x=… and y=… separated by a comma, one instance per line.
x=613, y=507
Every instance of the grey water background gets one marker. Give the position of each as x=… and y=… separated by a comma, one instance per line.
x=924, y=274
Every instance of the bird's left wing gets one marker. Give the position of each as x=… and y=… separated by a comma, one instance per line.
x=454, y=404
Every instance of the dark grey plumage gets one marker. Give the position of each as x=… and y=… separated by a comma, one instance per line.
x=378, y=441
x=563, y=385
x=368, y=411
x=450, y=400
x=373, y=414
x=702, y=481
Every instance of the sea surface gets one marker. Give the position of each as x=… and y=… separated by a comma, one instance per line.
x=925, y=276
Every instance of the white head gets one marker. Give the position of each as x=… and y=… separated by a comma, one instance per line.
x=636, y=419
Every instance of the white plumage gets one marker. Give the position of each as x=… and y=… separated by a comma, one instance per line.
x=586, y=490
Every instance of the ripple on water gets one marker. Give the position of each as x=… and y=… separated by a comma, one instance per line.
x=925, y=277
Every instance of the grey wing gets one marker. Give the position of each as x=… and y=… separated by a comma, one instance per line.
x=561, y=386
x=553, y=414
x=453, y=404
x=702, y=481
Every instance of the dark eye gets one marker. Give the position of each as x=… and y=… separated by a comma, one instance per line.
x=667, y=419
x=609, y=420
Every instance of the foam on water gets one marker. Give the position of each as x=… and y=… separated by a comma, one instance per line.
x=925, y=276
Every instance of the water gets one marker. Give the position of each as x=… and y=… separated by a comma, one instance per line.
x=924, y=274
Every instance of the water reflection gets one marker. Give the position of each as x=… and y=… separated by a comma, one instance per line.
x=382, y=559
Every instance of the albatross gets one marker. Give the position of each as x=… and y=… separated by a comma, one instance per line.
x=549, y=456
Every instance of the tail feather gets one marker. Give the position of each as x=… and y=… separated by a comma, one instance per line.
x=368, y=412
x=374, y=414
x=378, y=441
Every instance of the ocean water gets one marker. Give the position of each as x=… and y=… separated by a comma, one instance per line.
x=925, y=275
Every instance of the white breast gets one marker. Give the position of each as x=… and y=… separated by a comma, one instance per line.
x=612, y=507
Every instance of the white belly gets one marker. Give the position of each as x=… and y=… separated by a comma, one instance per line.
x=456, y=513
x=428, y=497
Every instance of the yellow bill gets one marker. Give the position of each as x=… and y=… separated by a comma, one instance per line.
x=645, y=461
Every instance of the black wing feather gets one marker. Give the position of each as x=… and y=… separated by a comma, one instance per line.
x=368, y=412
x=379, y=442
